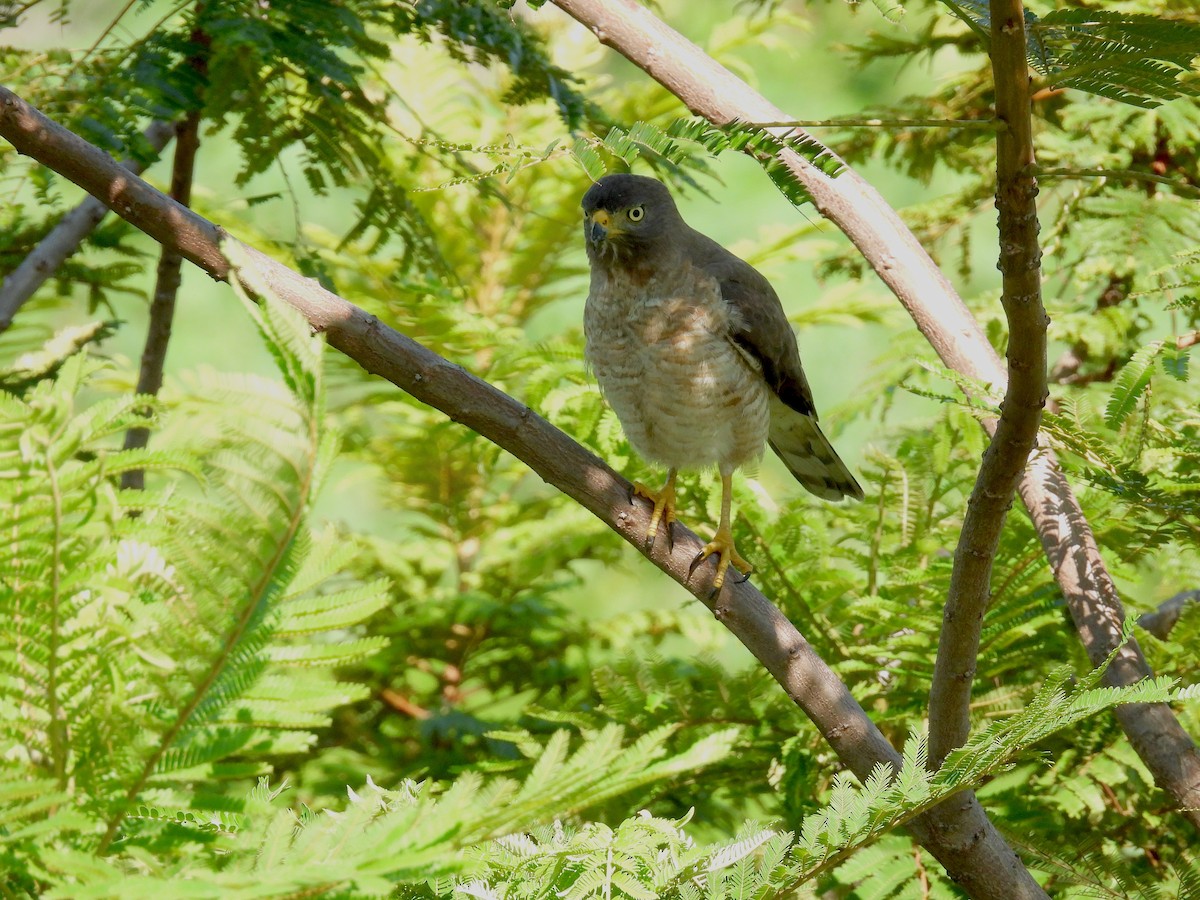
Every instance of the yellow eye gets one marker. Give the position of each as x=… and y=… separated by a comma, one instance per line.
x=636, y=214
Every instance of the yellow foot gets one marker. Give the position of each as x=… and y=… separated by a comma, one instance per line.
x=664, y=508
x=722, y=545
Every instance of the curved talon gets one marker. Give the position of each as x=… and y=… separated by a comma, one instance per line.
x=664, y=508
x=722, y=546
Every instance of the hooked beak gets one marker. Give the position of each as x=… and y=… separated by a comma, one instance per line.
x=598, y=225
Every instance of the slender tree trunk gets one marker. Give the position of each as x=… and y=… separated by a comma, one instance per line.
x=166, y=289
x=170, y=264
x=1016, y=431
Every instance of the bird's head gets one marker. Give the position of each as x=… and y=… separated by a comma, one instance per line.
x=628, y=217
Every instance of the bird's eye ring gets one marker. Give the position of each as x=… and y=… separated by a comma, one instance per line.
x=636, y=214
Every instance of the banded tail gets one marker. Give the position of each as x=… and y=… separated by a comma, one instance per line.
x=797, y=439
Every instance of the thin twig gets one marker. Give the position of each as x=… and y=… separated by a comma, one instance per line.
x=872, y=122
x=108, y=29
x=1016, y=432
x=1160, y=622
x=403, y=705
x=1180, y=187
x=922, y=875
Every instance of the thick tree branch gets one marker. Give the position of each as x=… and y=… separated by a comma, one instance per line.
x=957, y=832
x=64, y=239
x=1025, y=395
x=710, y=90
x=1152, y=729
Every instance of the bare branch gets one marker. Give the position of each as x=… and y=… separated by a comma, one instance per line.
x=712, y=91
x=957, y=832
x=874, y=122
x=1066, y=368
x=403, y=705
x=1016, y=432
x=1152, y=729
x=65, y=238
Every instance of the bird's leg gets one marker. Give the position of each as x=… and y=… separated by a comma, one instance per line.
x=722, y=542
x=664, y=507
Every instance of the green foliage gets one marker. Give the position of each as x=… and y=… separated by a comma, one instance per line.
x=682, y=141
x=1131, y=384
x=1140, y=59
x=478, y=33
x=382, y=838
x=153, y=658
x=298, y=82
x=415, y=835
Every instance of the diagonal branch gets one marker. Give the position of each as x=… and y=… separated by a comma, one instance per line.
x=710, y=90
x=957, y=832
x=1016, y=431
x=64, y=239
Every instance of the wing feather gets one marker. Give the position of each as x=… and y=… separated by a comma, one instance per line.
x=759, y=326
x=760, y=331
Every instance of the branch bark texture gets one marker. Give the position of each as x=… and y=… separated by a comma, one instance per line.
x=1016, y=430
x=64, y=239
x=710, y=90
x=957, y=832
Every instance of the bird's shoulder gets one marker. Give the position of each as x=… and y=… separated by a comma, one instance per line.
x=758, y=325
x=727, y=268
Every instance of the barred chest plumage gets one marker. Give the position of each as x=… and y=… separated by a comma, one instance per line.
x=685, y=395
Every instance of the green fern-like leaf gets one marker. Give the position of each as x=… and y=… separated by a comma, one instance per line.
x=186, y=643
x=677, y=146
x=1139, y=59
x=1131, y=384
x=1136, y=59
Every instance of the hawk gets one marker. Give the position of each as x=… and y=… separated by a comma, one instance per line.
x=693, y=352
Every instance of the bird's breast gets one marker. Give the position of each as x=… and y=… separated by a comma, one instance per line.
x=662, y=354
